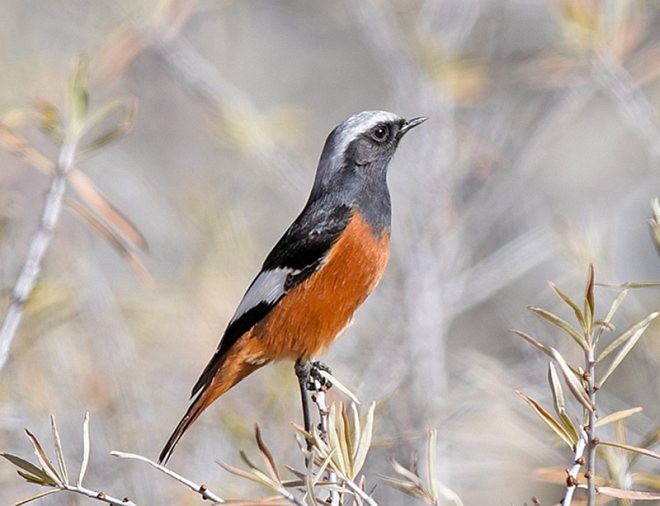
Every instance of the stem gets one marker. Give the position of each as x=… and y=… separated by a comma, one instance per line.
x=319, y=399
x=578, y=461
x=99, y=496
x=591, y=446
x=202, y=490
x=38, y=247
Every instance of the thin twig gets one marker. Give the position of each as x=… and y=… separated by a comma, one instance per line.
x=593, y=441
x=202, y=489
x=38, y=247
x=98, y=495
x=578, y=462
x=318, y=397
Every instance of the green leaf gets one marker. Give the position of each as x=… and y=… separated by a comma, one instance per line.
x=543, y=414
x=46, y=465
x=128, y=108
x=49, y=120
x=78, y=96
x=29, y=468
x=571, y=303
x=618, y=415
x=560, y=323
x=623, y=352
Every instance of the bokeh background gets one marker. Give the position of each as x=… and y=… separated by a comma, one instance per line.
x=541, y=154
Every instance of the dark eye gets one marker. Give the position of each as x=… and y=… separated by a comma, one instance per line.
x=380, y=133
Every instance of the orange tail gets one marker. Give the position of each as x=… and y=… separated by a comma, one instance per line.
x=231, y=370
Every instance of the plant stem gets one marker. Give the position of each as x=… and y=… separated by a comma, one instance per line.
x=99, y=496
x=578, y=461
x=202, y=490
x=319, y=399
x=38, y=247
x=591, y=446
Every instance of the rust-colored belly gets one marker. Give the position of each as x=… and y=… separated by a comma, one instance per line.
x=314, y=313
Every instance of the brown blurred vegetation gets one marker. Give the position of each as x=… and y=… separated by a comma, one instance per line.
x=542, y=154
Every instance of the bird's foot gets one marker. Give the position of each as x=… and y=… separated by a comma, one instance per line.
x=316, y=379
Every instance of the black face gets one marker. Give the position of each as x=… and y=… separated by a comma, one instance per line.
x=375, y=146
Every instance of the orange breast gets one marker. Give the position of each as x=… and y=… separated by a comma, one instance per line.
x=315, y=312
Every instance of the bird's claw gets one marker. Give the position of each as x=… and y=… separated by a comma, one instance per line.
x=317, y=380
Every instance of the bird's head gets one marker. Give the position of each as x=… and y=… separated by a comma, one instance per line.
x=360, y=148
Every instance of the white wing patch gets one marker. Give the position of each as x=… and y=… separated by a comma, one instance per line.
x=268, y=287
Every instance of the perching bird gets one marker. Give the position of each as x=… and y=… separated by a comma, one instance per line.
x=320, y=271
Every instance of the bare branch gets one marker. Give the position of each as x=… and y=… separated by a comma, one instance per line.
x=38, y=247
x=202, y=489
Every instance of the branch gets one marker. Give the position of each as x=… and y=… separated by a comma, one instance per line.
x=98, y=495
x=318, y=397
x=202, y=489
x=38, y=247
x=578, y=462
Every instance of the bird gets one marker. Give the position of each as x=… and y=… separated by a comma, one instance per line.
x=320, y=271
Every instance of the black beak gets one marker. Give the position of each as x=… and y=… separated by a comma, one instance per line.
x=411, y=123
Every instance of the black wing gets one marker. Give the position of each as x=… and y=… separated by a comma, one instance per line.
x=301, y=249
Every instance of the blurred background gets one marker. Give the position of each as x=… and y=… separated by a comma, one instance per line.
x=541, y=154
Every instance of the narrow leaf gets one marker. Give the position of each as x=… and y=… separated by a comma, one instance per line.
x=28, y=467
x=555, y=387
x=365, y=439
x=30, y=478
x=635, y=449
x=628, y=494
x=342, y=388
x=59, y=453
x=78, y=96
x=648, y=480
x=560, y=323
x=45, y=462
x=116, y=132
x=406, y=473
x=573, y=383
x=266, y=454
x=35, y=497
x=95, y=199
x=615, y=306
x=85, y=456
x=623, y=352
x=618, y=415
x=626, y=335
x=430, y=464
x=560, y=403
x=570, y=302
x=547, y=418
x=113, y=240
x=589, y=303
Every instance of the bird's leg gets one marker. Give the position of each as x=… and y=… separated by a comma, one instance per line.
x=303, y=371
x=316, y=379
